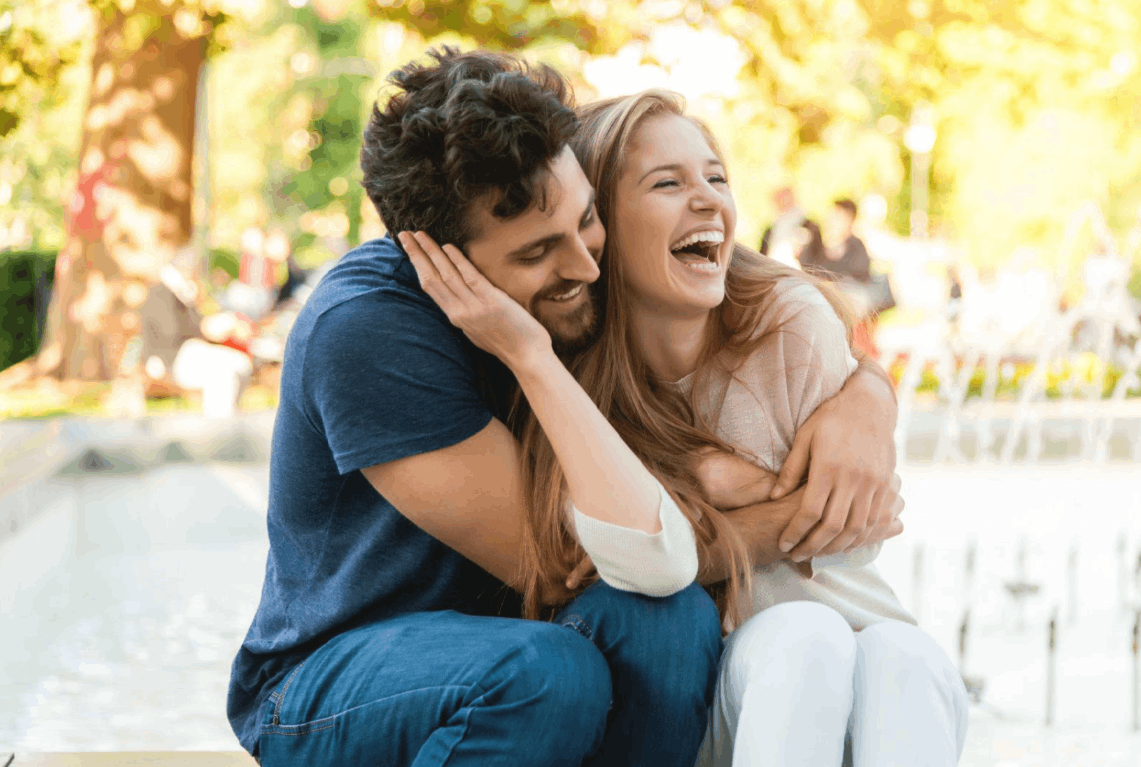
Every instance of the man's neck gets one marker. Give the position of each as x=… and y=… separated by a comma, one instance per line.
x=671, y=345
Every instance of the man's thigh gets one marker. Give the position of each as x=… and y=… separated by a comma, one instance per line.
x=403, y=689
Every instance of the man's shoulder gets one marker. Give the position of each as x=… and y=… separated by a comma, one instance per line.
x=375, y=268
x=373, y=287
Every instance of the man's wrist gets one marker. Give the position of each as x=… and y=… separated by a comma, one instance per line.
x=869, y=368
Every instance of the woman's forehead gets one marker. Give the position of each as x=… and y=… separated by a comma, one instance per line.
x=668, y=138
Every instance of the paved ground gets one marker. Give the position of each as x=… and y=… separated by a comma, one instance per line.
x=126, y=595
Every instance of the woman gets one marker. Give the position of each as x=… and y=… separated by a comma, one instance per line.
x=706, y=344
x=752, y=348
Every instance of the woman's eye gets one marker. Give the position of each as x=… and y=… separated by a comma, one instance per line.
x=716, y=179
x=665, y=182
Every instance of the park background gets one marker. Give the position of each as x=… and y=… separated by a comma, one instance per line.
x=997, y=139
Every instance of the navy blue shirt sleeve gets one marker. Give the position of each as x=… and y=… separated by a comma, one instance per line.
x=388, y=376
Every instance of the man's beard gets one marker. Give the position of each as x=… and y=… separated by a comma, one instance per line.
x=573, y=331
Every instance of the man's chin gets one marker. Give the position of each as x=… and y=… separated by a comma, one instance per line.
x=573, y=332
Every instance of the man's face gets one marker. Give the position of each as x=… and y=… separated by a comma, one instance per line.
x=544, y=259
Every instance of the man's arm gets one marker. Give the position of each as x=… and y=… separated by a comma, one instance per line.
x=742, y=490
x=760, y=526
x=468, y=496
x=847, y=448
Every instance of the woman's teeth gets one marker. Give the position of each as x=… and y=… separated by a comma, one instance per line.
x=707, y=236
x=701, y=266
x=569, y=294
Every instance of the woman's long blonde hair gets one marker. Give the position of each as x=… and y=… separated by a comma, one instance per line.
x=663, y=428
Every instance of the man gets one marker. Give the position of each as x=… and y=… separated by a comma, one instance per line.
x=844, y=256
x=845, y=260
x=793, y=237
x=396, y=509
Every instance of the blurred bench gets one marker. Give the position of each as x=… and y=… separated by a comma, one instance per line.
x=130, y=759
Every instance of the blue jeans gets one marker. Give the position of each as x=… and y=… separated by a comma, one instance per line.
x=628, y=684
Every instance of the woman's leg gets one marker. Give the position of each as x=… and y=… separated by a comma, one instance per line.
x=784, y=694
x=910, y=702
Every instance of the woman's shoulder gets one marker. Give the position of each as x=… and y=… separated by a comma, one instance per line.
x=794, y=301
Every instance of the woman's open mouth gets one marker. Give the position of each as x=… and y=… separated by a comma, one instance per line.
x=698, y=251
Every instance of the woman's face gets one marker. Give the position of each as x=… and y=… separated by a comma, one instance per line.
x=673, y=219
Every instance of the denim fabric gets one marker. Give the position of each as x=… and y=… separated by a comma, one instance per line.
x=628, y=684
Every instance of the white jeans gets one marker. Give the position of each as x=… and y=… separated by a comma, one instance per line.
x=798, y=687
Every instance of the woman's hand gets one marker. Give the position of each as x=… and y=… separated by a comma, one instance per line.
x=490, y=318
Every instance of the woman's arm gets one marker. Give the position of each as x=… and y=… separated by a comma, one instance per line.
x=631, y=527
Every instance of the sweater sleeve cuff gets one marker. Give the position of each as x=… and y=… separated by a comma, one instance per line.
x=656, y=565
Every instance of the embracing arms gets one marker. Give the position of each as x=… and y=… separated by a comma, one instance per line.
x=852, y=497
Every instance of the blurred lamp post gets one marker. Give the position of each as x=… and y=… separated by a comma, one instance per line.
x=919, y=138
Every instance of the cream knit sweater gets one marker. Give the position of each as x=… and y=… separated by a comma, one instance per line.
x=758, y=410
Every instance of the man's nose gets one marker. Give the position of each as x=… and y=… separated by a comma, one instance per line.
x=578, y=263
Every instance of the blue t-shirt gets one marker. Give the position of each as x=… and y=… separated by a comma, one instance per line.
x=373, y=372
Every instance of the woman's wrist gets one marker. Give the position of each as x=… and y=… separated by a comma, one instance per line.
x=533, y=364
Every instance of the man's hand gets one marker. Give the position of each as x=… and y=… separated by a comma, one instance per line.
x=847, y=448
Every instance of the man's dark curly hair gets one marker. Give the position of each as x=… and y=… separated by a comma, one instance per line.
x=463, y=126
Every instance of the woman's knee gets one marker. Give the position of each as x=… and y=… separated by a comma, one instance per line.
x=907, y=654
x=896, y=658
x=795, y=635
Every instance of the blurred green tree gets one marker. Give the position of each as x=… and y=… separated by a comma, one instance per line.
x=131, y=209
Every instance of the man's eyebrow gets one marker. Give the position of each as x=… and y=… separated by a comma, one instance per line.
x=589, y=207
x=677, y=166
x=551, y=239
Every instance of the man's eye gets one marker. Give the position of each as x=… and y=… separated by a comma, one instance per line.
x=533, y=259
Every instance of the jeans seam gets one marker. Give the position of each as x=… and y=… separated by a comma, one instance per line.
x=575, y=623
x=281, y=696
x=328, y=722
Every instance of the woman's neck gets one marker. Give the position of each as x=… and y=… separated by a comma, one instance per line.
x=670, y=345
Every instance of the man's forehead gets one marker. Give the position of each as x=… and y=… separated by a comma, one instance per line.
x=563, y=185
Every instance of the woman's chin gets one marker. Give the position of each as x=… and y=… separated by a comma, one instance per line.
x=693, y=302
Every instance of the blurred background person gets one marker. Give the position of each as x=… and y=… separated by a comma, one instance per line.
x=844, y=259
x=183, y=351
x=793, y=238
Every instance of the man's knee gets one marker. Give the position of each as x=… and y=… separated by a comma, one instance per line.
x=562, y=679
x=686, y=621
x=666, y=647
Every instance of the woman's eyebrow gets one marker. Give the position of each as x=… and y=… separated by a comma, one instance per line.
x=667, y=166
x=677, y=166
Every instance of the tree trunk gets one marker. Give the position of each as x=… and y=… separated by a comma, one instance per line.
x=131, y=210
